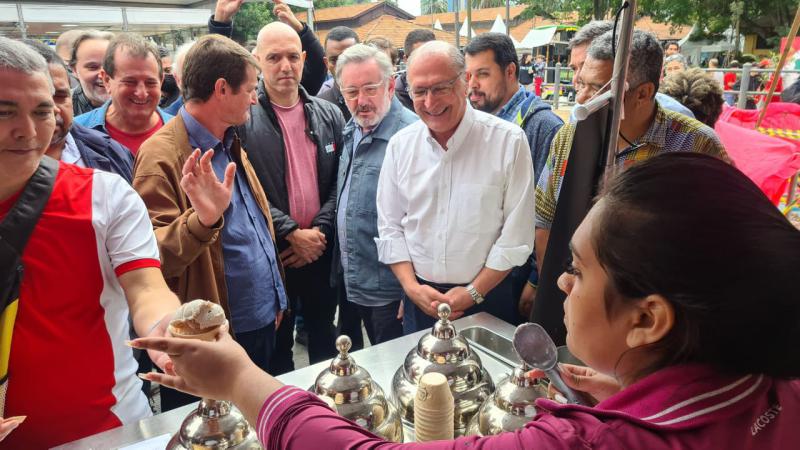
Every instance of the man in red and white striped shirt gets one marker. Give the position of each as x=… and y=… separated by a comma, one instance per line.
x=90, y=264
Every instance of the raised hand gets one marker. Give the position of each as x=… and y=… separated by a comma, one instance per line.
x=226, y=9
x=285, y=15
x=209, y=197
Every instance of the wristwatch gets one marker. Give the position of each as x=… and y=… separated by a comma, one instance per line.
x=476, y=296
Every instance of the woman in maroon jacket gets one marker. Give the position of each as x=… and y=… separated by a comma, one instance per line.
x=681, y=297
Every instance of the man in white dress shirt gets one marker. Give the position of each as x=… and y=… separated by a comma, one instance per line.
x=455, y=198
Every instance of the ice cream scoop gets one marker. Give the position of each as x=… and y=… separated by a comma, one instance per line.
x=535, y=347
x=196, y=319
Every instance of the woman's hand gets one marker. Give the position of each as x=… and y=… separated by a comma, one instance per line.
x=205, y=369
x=595, y=386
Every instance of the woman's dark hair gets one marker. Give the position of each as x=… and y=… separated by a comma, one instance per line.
x=698, y=232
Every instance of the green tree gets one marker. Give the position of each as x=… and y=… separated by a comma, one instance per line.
x=769, y=19
x=432, y=6
x=249, y=20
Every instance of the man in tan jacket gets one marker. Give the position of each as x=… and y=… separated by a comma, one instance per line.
x=210, y=214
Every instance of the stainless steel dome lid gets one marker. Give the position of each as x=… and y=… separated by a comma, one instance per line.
x=444, y=351
x=356, y=396
x=511, y=406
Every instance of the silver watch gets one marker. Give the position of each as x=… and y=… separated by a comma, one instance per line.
x=476, y=296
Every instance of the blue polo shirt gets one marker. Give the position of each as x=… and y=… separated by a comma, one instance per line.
x=255, y=287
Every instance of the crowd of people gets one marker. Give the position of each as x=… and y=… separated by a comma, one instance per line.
x=299, y=177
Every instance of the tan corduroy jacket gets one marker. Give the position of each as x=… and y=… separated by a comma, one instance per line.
x=191, y=254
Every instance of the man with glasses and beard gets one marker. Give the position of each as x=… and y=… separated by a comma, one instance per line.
x=455, y=198
x=367, y=288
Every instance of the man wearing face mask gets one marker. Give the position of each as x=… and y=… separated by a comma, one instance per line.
x=71, y=142
x=646, y=130
x=578, y=46
x=169, y=85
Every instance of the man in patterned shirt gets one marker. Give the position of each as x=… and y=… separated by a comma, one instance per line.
x=646, y=130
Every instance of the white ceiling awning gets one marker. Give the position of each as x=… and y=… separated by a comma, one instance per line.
x=49, y=20
x=538, y=37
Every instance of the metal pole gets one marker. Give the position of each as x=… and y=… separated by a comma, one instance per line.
x=557, y=87
x=457, y=28
x=469, y=20
x=781, y=62
x=310, y=18
x=23, y=29
x=744, y=84
x=618, y=78
x=124, y=19
x=508, y=17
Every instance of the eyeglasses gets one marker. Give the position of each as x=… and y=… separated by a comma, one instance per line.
x=370, y=90
x=438, y=90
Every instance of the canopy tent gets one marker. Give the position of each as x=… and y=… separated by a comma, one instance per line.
x=463, y=31
x=45, y=21
x=697, y=51
x=538, y=37
x=438, y=25
x=499, y=26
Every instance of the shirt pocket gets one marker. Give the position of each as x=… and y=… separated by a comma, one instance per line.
x=478, y=208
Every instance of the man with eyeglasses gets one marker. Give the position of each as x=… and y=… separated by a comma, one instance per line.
x=455, y=198
x=368, y=291
x=646, y=130
x=294, y=141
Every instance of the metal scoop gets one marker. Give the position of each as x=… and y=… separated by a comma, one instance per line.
x=535, y=347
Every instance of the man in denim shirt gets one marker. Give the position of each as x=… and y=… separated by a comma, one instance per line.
x=210, y=214
x=368, y=290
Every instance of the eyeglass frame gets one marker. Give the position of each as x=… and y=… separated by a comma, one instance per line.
x=445, y=87
x=357, y=91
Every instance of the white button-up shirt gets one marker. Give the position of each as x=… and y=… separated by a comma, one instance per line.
x=450, y=213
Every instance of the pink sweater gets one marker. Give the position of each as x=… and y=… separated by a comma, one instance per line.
x=682, y=407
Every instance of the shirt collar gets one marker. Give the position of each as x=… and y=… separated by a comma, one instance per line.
x=200, y=137
x=656, y=135
x=509, y=111
x=70, y=143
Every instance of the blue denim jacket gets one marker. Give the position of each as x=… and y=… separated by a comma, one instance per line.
x=367, y=280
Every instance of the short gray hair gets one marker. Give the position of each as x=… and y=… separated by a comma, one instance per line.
x=442, y=48
x=646, y=59
x=180, y=55
x=590, y=32
x=360, y=53
x=676, y=57
x=15, y=55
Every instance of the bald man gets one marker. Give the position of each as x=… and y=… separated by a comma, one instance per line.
x=294, y=142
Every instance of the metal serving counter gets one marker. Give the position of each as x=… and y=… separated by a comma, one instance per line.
x=489, y=337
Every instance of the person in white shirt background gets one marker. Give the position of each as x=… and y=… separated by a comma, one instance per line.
x=455, y=198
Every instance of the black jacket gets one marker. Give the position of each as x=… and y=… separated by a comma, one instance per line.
x=334, y=95
x=99, y=151
x=401, y=90
x=80, y=104
x=314, y=71
x=263, y=140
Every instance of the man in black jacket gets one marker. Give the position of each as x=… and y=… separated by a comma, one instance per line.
x=413, y=40
x=314, y=70
x=294, y=141
x=71, y=142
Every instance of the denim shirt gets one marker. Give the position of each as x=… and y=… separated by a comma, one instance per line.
x=368, y=282
x=255, y=287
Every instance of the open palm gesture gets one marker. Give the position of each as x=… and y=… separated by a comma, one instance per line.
x=209, y=197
